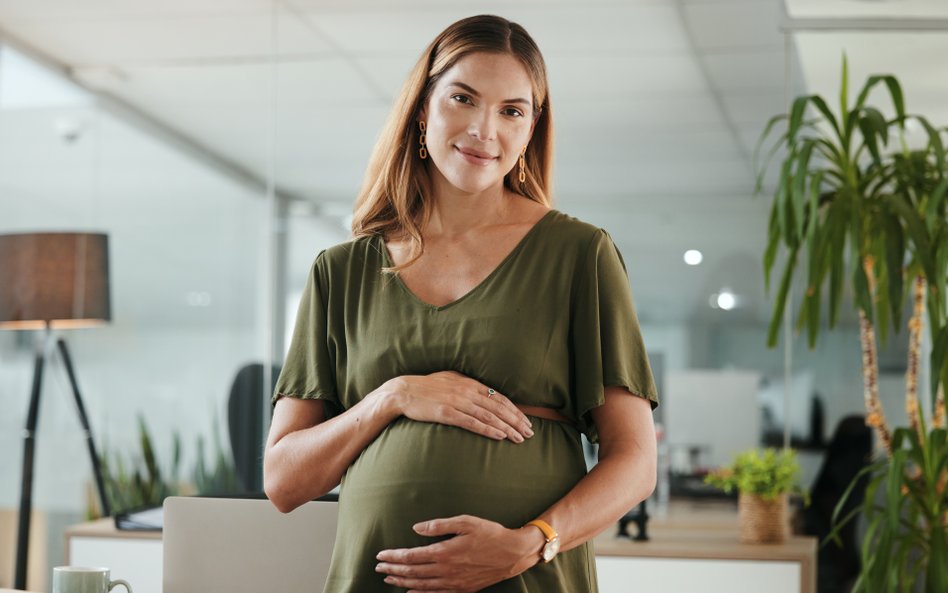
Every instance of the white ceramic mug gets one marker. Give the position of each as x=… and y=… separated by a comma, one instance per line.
x=81, y=579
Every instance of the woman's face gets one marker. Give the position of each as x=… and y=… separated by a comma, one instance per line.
x=479, y=118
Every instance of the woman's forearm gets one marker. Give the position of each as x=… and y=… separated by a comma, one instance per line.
x=307, y=456
x=625, y=475
x=620, y=480
x=307, y=463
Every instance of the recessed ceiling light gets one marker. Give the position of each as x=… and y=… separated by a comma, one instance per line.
x=693, y=257
x=726, y=300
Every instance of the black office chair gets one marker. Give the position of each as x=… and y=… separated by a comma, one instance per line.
x=245, y=415
x=849, y=452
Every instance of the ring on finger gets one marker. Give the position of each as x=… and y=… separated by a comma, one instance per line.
x=490, y=393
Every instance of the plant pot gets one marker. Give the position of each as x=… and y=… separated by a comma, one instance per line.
x=762, y=521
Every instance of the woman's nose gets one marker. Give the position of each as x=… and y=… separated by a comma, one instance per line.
x=482, y=126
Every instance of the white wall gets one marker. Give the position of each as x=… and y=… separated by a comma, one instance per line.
x=716, y=409
x=835, y=365
x=671, y=340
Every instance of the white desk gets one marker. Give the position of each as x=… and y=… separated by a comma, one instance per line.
x=134, y=556
x=696, y=548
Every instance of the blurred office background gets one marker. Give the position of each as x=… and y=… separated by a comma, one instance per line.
x=220, y=144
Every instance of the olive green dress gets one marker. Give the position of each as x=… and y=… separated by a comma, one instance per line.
x=550, y=326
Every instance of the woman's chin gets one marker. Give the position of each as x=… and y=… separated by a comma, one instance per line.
x=473, y=186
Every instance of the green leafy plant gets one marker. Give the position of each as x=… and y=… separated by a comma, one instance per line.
x=221, y=476
x=767, y=473
x=141, y=480
x=850, y=205
x=906, y=537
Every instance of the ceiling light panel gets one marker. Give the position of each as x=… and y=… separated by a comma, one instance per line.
x=97, y=9
x=135, y=40
x=557, y=28
x=313, y=84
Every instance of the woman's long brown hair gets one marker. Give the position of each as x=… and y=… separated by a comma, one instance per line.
x=394, y=199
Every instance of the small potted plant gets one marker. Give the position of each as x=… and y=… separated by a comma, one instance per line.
x=763, y=478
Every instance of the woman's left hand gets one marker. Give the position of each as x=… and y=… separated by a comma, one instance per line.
x=480, y=554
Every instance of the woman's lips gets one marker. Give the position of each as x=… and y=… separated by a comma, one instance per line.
x=474, y=159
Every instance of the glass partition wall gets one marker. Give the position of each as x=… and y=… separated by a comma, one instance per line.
x=189, y=245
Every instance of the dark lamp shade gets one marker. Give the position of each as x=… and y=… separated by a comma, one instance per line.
x=56, y=278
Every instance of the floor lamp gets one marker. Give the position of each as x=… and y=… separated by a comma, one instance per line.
x=52, y=281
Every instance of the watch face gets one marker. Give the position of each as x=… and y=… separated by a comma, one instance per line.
x=550, y=549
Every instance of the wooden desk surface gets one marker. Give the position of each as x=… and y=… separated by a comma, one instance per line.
x=707, y=545
x=106, y=528
x=691, y=529
x=702, y=530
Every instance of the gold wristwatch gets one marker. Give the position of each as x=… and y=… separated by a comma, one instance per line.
x=552, y=545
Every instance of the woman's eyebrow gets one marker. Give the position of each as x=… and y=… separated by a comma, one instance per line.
x=474, y=92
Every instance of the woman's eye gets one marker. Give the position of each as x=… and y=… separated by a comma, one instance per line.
x=463, y=98
x=513, y=112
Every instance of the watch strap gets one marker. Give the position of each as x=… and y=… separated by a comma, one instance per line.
x=548, y=532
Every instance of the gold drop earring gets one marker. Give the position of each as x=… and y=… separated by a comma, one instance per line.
x=423, y=151
x=523, y=166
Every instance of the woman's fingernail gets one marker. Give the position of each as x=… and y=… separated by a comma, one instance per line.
x=529, y=433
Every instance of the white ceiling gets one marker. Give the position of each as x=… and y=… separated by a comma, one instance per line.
x=657, y=103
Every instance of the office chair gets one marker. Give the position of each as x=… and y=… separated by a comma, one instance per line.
x=849, y=452
x=246, y=408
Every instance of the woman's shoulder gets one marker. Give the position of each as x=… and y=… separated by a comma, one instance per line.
x=352, y=252
x=355, y=247
x=573, y=233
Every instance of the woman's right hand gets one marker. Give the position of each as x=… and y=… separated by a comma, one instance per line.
x=449, y=397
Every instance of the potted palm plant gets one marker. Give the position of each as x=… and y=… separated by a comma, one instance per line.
x=859, y=206
x=763, y=479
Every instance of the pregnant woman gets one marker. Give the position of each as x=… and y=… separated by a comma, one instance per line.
x=447, y=358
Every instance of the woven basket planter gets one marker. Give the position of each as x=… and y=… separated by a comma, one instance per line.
x=762, y=521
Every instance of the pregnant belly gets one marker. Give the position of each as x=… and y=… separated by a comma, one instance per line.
x=416, y=471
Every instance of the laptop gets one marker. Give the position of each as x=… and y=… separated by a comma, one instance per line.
x=246, y=546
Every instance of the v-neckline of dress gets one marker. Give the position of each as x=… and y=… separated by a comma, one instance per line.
x=387, y=262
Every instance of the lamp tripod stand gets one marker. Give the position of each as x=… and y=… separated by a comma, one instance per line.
x=29, y=439
x=52, y=280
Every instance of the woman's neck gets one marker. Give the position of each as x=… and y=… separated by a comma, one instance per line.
x=455, y=213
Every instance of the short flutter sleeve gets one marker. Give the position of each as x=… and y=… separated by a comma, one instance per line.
x=308, y=372
x=606, y=341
